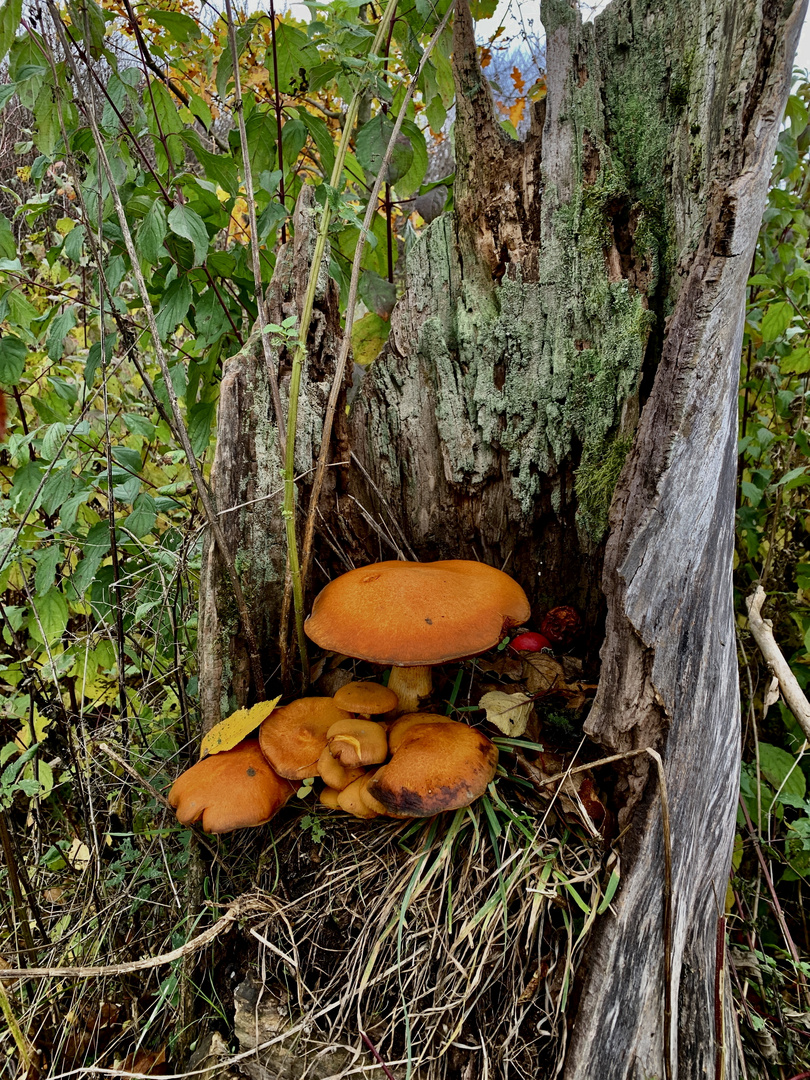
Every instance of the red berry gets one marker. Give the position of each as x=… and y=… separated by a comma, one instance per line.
x=530, y=642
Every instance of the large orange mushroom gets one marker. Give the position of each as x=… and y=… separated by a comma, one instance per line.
x=415, y=615
x=436, y=767
x=235, y=789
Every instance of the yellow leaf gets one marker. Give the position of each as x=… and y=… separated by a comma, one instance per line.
x=517, y=79
x=508, y=712
x=516, y=112
x=230, y=731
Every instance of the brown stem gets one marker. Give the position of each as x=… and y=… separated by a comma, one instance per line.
x=16, y=890
x=278, y=111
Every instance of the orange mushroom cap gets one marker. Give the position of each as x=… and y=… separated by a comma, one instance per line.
x=436, y=767
x=234, y=789
x=366, y=698
x=357, y=742
x=412, y=614
x=293, y=736
x=404, y=723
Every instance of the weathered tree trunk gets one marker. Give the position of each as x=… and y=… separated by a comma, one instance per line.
x=559, y=394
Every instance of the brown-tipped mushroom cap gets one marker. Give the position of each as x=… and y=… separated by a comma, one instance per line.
x=413, y=614
x=349, y=800
x=404, y=723
x=436, y=767
x=235, y=789
x=366, y=698
x=333, y=774
x=293, y=736
x=357, y=742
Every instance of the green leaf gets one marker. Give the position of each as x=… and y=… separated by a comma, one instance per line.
x=225, y=65
x=210, y=320
x=12, y=359
x=53, y=440
x=144, y=514
x=182, y=27
x=46, y=114
x=47, y=562
x=151, y=234
x=371, y=144
x=173, y=310
x=369, y=334
x=781, y=770
x=483, y=9
x=797, y=361
x=10, y=17
x=200, y=418
x=296, y=55
x=322, y=138
x=139, y=425
x=436, y=114
x=185, y=222
x=94, y=549
x=74, y=243
x=8, y=246
x=776, y=320
x=88, y=24
x=260, y=129
x=293, y=137
x=412, y=180
x=56, y=489
x=53, y=613
x=60, y=327
x=219, y=168
x=378, y=294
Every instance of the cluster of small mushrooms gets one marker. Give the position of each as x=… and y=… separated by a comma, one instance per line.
x=405, y=763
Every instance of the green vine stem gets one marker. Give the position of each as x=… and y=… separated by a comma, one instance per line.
x=288, y=511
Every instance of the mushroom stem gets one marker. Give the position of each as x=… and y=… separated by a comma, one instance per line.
x=410, y=684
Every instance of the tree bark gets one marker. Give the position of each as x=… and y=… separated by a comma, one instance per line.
x=558, y=394
x=248, y=474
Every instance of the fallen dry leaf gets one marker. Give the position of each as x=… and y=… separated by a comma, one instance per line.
x=508, y=667
x=508, y=712
x=234, y=728
x=542, y=673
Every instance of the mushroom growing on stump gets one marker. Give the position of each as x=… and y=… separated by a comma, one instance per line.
x=414, y=615
x=293, y=737
x=235, y=789
x=435, y=767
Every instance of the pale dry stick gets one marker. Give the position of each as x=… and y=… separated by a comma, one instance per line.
x=762, y=631
x=237, y=910
x=199, y=481
x=340, y=366
x=247, y=175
